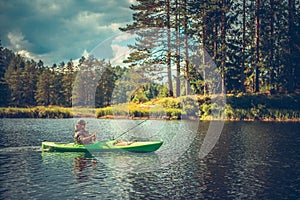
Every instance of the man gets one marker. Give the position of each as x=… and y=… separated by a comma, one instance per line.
x=82, y=136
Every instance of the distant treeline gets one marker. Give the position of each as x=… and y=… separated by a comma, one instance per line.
x=27, y=83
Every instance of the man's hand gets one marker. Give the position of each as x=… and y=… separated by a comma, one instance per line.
x=95, y=136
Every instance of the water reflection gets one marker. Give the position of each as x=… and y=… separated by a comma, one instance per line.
x=83, y=163
x=250, y=158
x=128, y=161
x=83, y=167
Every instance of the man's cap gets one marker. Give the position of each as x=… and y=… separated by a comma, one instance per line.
x=81, y=122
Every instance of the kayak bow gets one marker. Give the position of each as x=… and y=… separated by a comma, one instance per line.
x=110, y=145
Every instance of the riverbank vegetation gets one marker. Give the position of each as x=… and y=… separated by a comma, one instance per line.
x=36, y=112
x=241, y=107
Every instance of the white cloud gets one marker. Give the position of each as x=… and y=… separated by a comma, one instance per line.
x=120, y=53
x=123, y=37
x=17, y=41
x=26, y=54
x=88, y=17
x=132, y=1
x=112, y=27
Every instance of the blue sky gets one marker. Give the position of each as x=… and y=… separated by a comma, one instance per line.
x=59, y=30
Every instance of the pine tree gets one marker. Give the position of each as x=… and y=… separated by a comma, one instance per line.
x=67, y=83
x=29, y=78
x=6, y=56
x=105, y=86
x=86, y=81
x=152, y=24
x=13, y=78
x=44, y=88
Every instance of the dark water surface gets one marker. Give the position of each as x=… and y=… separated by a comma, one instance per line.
x=252, y=160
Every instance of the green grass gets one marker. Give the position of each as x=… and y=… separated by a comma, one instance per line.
x=133, y=110
x=36, y=112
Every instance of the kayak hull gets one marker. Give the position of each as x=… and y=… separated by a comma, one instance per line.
x=142, y=147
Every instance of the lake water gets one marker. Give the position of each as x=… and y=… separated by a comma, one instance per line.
x=251, y=160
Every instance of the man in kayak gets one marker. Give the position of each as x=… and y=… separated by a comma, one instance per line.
x=81, y=135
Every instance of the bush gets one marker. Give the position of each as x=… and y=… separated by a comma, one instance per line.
x=169, y=102
x=173, y=113
x=157, y=112
x=101, y=112
x=190, y=110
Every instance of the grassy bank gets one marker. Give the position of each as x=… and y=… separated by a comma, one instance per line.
x=239, y=107
x=36, y=112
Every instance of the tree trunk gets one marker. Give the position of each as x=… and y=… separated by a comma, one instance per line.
x=177, y=38
x=215, y=32
x=169, y=50
x=243, y=89
x=205, y=88
x=271, y=54
x=223, y=46
x=291, y=48
x=186, y=50
x=257, y=70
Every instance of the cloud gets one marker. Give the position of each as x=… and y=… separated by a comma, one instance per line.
x=120, y=53
x=56, y=30
x=26, y=54
x=123, y=37
x=17, y=41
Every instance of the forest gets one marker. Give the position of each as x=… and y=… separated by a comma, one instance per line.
x=255, y=45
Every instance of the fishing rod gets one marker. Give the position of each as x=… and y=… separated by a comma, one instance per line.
x=129, y=129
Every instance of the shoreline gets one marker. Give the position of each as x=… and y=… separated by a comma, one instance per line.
x=109, y=117
x=195, y=119
x=195, y=107
x=61, y=112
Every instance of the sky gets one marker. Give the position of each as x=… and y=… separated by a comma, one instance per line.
x=59, y=30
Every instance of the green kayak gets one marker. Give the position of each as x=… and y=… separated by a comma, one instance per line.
x=110, y=145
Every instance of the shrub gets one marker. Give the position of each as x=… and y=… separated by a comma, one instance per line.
x=100, y=112
x=173, y=113
x=169, y=102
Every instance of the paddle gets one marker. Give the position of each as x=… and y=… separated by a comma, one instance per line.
x=129, y=129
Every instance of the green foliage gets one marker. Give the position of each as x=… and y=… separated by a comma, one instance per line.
x=136, y=111
x=169, y=102
x=190, y=106
x=173, y=113
x=206, y=108
x=101, y=112
x=262, y=107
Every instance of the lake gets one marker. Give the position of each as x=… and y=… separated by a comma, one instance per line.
x=250, y=160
